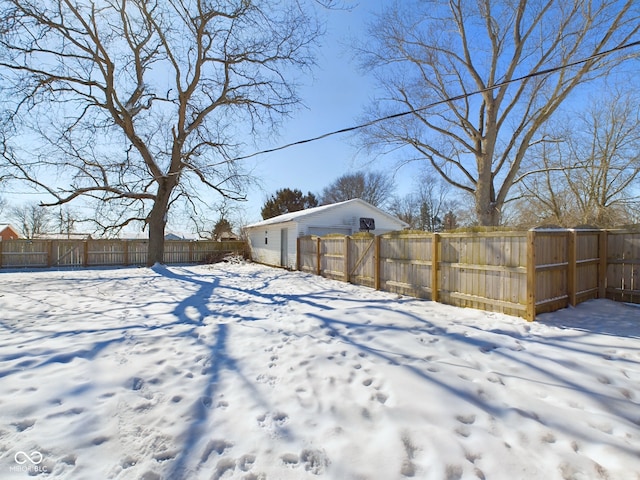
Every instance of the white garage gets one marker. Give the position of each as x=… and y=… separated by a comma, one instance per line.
x=273, y=241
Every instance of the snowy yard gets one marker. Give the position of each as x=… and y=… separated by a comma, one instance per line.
x=239, y=371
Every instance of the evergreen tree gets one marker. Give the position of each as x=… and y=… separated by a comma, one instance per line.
x=286, y=200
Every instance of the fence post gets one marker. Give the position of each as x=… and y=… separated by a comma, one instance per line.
x=376, y=263
x=318, y=259
x=435, y=259
x=125, y=250
x=572, y=267
x=49, y=253
x=85, y=253
x=0, y=253
x=531, y=276
x=603, y=252
x=346, y=258
x=298, y=253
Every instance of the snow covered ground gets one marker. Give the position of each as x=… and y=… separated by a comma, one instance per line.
x=239, y=371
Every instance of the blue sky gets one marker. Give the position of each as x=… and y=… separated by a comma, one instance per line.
x=335, y=98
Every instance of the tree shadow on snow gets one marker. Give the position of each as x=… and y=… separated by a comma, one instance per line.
x=214, y=302
x=604, y=317
x=207, y=301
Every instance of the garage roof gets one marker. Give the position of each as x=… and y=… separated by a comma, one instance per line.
x=296, y=216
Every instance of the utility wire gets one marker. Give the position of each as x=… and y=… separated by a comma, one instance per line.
x=439, y=102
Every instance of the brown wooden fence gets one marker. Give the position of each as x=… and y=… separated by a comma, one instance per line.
x=87, y=253
x=517, y=273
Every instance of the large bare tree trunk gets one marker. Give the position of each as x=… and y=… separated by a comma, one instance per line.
x=157, y=221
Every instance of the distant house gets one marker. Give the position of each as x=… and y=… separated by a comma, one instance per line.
x=273, y=241
x=63, y=236
x=7, y=232
x=227, y=237
x=169, y=235
x=172, y=236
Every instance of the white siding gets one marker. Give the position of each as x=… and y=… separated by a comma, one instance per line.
x=342, y=217
x=269, y=253
x=348, y=216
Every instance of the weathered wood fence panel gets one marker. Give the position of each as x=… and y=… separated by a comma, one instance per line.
x=362, y=263
x=110, y=252
x=308, y=252
x=585, y=284
x=405, y=264
x=551, y=267
x=24, y=253
x=623, y=266
x=518, y=273
x=102, y=252
x=484, y=270
x=569, y=267
x=332, y=257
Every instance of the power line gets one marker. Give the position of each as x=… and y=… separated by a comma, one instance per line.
x=439, y=102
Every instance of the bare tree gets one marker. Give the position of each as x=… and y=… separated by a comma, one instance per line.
x=373, y=187
x=65, y=220
x=592, y=176
x=524, y=57
x=205, y=221
x=32, y=219
x=426, y=207
x=139, y=104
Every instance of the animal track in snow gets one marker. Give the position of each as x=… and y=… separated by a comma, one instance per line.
x=274, y=422
x=313, y=461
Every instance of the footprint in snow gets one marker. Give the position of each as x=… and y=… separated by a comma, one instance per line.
x=135, y=383
x=150, y=475
x=128, y=462
x=246, y=462
x=24, y=424
x=223, y=466
x=466, y=419
x=218, y=446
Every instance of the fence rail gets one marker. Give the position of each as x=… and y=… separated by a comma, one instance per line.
x=87, y=253
x=518, y=273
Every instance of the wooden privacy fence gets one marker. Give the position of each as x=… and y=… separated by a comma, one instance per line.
x=517, y=273
x=88, y=253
